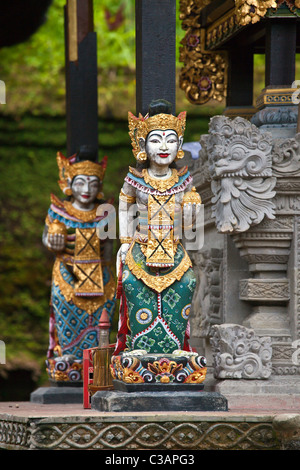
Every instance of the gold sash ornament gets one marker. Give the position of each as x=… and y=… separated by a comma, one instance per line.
x=87, y=263
x=160, y=245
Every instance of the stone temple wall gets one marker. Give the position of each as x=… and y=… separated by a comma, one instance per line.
x=246, y=309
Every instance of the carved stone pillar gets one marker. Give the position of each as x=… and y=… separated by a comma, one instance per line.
x=267, y=248
x=255, y=181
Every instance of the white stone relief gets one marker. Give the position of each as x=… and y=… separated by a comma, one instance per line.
x=286, y=157
x=240, y=165
x=239, y=353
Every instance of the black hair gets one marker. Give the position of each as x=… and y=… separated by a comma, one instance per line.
x=160, y=107
x=87, y=152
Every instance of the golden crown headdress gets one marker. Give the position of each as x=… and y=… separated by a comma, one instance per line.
x=141, y=126
x=69, y=168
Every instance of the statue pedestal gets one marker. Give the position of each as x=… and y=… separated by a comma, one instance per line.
x=59, y=393
x=158, y=397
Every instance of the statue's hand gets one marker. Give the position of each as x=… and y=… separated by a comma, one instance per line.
x=121, y=255
x=123, y=251
x=56, y=241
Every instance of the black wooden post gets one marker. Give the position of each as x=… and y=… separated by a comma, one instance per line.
x=280, y=52
x=81, y=76
x=240, y=77
x=155, y=52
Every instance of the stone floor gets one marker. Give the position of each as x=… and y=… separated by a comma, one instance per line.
x=251, y=423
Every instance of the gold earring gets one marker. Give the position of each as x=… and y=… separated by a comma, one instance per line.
x=100, y=195
x=141, y=156
x=180, y=154
x=68, y=191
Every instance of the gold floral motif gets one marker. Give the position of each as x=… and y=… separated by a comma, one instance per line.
x=203, y=76
x=130, y=376
x=197, y=377
x=161, y=185
x=164, y=367
x=158, y=283
x=251, y=11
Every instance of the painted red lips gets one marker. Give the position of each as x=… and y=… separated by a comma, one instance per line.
x=164, y=155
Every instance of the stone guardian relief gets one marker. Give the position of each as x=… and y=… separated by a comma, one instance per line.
x=240, y=166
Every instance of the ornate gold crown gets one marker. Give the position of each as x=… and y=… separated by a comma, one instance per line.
x=141, y=126
x=69, y=168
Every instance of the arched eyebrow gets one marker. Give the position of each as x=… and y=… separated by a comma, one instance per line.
x=78, y=178
x=155, y=135
x=93, y=178
x=171, y=133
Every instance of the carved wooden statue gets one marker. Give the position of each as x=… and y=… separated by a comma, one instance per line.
x=156, y=276
x=82, y=281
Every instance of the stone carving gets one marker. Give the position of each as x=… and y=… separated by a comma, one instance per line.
x=240, y=165
x=207, y=297
x=265, y=289
x=275, y=116
x=286, y=157
x=190, y=433
x=240, y=354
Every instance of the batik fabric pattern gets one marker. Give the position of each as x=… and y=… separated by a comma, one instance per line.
x=155, y=301
x=77, y=301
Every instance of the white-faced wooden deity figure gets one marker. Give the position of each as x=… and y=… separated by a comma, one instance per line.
x=156, y=280
x=83, y=283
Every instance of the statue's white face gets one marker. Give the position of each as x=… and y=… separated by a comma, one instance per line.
x=162, y=146
x=85, y=189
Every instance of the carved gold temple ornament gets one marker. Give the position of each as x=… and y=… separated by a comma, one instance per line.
x=203, y=76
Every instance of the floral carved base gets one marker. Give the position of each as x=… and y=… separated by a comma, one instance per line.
x=64, y=369
x=159, y=368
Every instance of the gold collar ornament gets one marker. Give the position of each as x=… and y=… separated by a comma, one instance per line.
x=160, y=184
x=69, y=168
x=139, y=127
x=84, y=216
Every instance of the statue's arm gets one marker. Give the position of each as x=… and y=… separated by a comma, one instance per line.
x=126, y=221
x=191, y=206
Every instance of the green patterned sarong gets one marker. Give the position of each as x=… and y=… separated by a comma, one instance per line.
x=157, y=319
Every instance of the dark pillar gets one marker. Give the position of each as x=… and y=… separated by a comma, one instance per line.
x=81, y=75
x=240, y=77
x=280, y=52
x=155, y=52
